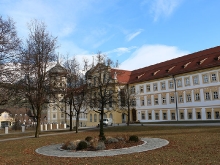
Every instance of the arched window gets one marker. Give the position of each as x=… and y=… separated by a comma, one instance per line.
x=95, y=118
x=105, y=116
x=111, y=116
x=90, y=117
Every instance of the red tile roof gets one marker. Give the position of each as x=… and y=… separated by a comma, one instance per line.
x=196, y=61
x=123, y=76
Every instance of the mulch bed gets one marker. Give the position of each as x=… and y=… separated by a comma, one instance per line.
x=122, y=144
x=118, y=145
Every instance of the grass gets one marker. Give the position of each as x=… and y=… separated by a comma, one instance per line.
x=188, y=145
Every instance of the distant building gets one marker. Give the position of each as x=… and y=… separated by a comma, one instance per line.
x=5, y=118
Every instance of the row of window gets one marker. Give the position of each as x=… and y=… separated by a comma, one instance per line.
x=188, y=96
x=173, y=115
x=93, y=118
x=206, y=79
x=62, y=115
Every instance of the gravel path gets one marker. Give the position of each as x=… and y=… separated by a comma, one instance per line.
x=149, y=144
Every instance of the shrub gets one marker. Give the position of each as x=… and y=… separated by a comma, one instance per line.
x=88, y=138
x=100, y=145
x=82, y=145
x=134, y=138
x=111, y=140
x=69, y=145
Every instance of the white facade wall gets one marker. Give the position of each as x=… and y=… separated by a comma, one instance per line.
x=194, y=106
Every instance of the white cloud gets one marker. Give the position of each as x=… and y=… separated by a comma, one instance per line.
x=163, y=8
x=131, y=36
x=121, y=50
x=151, y=54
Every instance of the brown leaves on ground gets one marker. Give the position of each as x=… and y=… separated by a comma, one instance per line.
x=187, y=145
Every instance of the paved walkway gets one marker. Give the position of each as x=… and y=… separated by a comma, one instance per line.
x=149, y=144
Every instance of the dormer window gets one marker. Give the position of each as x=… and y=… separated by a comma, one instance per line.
x=184, y=66
x=140, y=76
x=200, y=62
x=171, y=69
x=156, y=72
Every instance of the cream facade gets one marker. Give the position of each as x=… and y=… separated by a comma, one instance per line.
x=57, y=110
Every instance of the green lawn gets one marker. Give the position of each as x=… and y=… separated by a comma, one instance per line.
x=188, y=145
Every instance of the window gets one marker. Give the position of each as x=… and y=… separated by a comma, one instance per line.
x=148, y=101
x=149, y=116
x=205, y=78
x=111, y=116
x=198, y=115
x=133, y=102
x=95, y=117
x=171, y=84
x=62, y=115
x=155, y=101
x=217, y=115
x=110, y=98
x=179, y=83
x=54, y=108
x=90, y=117
x=141, y=89
x=209, y=115
x=142, y=102
x=173, y=116
x=213, y=76
x=215, y=95
x=163, y=100
x=188, y=97
x=195, y=80
x=171, y=99
x=197, y=97
x=181, y=98
x=187, y=82
x=54, y=115
x=155, y=87
x=164, y=116
x=207, y=96
x=143, y=115
x=148, y=88
x=163, y=85
x=132, y=89
x=190, y=115
x=157, y=116
x=181, y=115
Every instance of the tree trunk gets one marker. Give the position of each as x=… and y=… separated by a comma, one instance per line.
x=101, y=130
x=128, y=122
x=71, y=118
x=37, y=132
x=77, y=122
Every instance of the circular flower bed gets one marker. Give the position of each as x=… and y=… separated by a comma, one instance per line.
x=94, y=144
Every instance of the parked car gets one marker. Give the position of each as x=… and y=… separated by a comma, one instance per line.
x=107, y=121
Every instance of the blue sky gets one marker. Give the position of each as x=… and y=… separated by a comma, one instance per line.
x=137, y=33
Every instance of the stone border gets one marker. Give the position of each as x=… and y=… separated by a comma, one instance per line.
x=149, y=144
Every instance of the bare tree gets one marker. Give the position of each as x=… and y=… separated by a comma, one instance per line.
x=127, y=100
x=101, y=88
x=39, y=51
x=10, y=46
x=75, y=96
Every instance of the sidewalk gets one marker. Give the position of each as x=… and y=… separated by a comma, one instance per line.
x=81, y=129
